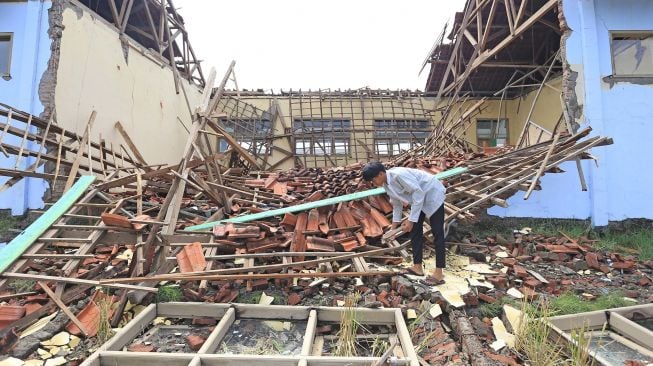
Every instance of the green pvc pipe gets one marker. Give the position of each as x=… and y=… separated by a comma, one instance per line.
x=311, y=205
x=17, y=247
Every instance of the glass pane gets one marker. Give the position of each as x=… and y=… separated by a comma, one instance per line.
x=382, y=147
x=633, y=54
x=421, y=124
x=341, y=146
x=302, y=147
x=5, y=48
x=323, y=147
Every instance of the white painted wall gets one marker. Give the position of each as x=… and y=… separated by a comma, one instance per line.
x=139, y=91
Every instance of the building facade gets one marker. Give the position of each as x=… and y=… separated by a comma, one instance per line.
x=65, y=59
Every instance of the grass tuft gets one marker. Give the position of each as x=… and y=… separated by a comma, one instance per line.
x=104, y=332
x=532, y=339
x=346, y=346
x=495, y=309
x=569, y=303
x=7, y=222
x=169, y=293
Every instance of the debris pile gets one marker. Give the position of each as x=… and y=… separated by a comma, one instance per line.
x=130, y=225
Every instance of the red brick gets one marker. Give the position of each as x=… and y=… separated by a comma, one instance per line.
x=532, y=283
x=110, y=219
x=487, y=298
x=191, y=258
x=195, y=342
x=324, y=329
x=604, y=268
x=205, y=321
x=470, y=299
x=508, y=261
x=504, y=360
x=520, y=271
x=592, y=261
x=644, y=281
x=260, y=284
x=498, y=281
x=628, y=266
x=294, y=299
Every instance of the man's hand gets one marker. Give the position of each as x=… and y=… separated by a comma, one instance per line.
x=395, y=225
x=407, y=226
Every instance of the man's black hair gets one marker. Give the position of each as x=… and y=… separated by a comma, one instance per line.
x=372, y=169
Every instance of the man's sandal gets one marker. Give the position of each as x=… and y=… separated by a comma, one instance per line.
x=411, y=271
x=432, y=281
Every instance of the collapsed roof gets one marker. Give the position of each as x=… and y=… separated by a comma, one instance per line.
x=496, y=42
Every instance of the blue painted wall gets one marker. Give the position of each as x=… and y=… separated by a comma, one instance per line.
x=620, y=187
x=28, y=21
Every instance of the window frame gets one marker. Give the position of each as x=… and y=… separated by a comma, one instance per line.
x=624, y=33
x=389, y=134
x=493, y=121
x=314, y=139
x=7, y=75
x=261, y=140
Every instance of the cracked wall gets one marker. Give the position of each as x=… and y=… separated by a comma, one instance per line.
x=93, y=74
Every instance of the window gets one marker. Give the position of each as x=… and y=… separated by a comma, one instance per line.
x=632, y=53
x=252, y=134
x=5, y=55
x=322, y=136
x=394, y=136
x=490, y=132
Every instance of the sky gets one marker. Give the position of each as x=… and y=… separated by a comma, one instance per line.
x=309, y=44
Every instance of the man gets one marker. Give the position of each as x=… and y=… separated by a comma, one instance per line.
x=425, y=194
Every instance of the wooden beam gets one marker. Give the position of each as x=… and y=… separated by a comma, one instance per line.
x=78, y=281
x=64, y=308
x=114, y=13
x=76, y=162
x=488, y=26
x=130, y=143
x=540, y=171
x=503, y=44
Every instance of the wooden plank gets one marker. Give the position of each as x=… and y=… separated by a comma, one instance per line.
x=73, y=170
x=55, y=256
x=131, y=330
x=42, y=144
x=4, y=131
x=63, y=307
x=632, y=330
x=219, y=332
x=540, y=171
x=405, y=338
x=20, y=243
x=130, y=144
x=309, y=335
x=78, y=281
x=364, y=316
x=270, y=267
x=23, y=141
x=186, y=310
x=255, y=276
